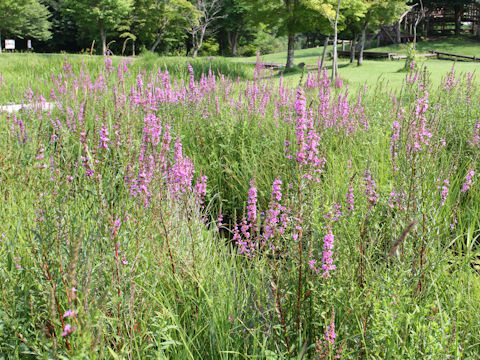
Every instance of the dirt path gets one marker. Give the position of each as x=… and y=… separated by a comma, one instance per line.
x=17, y=107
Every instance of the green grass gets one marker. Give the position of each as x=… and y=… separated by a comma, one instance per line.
x=387, y=71
x=462, y=45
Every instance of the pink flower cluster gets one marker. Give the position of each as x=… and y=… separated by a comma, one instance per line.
x=327, y=259
x=444, y=186
x=370, y=188
x=330, y=334
x=308, y=140
x=468, y=181
x=248, y=236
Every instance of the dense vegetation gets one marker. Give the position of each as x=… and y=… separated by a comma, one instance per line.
x=152, y=215
x=21, y=71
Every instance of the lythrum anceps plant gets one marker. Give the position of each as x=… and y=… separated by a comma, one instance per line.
x=174, y=213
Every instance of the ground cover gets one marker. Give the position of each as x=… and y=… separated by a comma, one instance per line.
x=221, y=218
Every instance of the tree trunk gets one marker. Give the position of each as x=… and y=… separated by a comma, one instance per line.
x=235, y=45
x=353, y=46
x=458, y=19
x=155, y=44
x=335, y=37
x=415, y=37
x=103, y=38
x=233, y=42
x=362, y=44
x=197, y=43
x=325, y=46
x=398, y=34
x=290, y=51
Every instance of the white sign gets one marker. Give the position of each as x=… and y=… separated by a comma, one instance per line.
x=29, y=44
x=9, y=44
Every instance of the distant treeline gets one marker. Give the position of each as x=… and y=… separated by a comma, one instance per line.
x=199, y=27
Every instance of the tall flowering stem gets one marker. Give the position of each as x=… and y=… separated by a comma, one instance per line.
x=327, y=259
x=370, y=188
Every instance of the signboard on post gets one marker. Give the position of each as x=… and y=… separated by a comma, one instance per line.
x=9, y=44
x=29, y=44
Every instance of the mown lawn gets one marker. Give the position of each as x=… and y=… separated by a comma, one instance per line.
x=387, y=71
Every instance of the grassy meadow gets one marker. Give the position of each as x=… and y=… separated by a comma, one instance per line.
x=214, y=211
x=21, y=71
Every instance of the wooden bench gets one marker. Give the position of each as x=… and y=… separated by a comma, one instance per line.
x=366, y=54
x=268, y=65
x=441, y=53
x=403, y=57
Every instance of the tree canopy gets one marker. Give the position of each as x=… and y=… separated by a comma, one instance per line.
x=24, y=18
x=105, y=15
x=158, y=20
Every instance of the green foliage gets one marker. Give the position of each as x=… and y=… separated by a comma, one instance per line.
x=103, y=15
x=209, y=47
x=24, y=18
x=267, y=43
x=98, y=13
x=284, y=16
x=64, y=30
x=412, y=56
x=164, y=20
x=383, y=12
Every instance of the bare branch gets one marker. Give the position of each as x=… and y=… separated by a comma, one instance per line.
x=210, y=11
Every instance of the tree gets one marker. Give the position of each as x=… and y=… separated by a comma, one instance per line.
x=210, y=11
x=379, y=13
x=64, y=30
x=419, y=16
x=334, y=24
x=289, y=17
x=235, y=23
x=35, y=21
x=155, y=18
x=353, y=13
x=104, y=14
x=24, y=18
